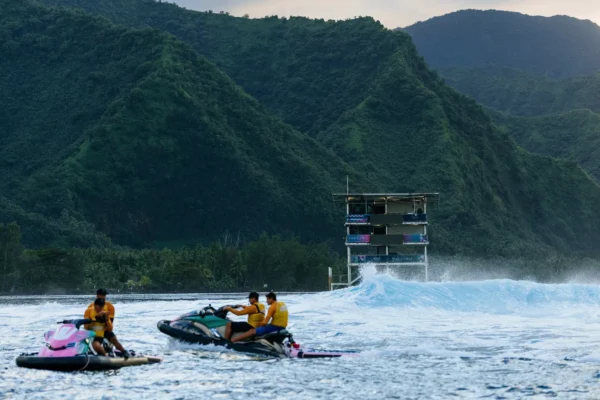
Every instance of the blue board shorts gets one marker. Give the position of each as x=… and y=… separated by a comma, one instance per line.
x=263, y=330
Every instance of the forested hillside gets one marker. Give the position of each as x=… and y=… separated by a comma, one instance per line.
x=546, y=116
x=574, y=135
x=177, y=151
x=149, y=141
x=525, y=94
x=521, y=66
x=308, y=72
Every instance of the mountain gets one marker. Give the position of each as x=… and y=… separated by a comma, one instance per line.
x=524, y=66
x=564, y=113
x=522, y=93
x=308, y=72
x=145, y=139
x=558, y=46
x=183, y=150
x=573, y=135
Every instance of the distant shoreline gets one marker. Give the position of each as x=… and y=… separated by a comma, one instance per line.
x=119, y=294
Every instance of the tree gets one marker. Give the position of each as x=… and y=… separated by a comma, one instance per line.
x=11, y=249
x=144, y=282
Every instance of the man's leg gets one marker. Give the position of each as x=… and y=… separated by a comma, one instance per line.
x=118, y=345
x=236, y=328
x=113, y=339
x=244, y=335
x=98, y=348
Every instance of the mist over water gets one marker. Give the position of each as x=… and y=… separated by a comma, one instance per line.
x=494, y=338
x=557, y=270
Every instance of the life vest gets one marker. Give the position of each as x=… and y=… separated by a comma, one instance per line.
x=280, y=318
x=97, y=327
x=107, y=307
x=256, y=318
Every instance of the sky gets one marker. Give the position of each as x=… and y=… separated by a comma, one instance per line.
x=393, y=13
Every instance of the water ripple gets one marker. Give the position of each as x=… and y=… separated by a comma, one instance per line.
x=414, y=341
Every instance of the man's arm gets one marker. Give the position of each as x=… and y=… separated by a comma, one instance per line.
x=111, y=312
x=86, y=315
x=109, y=325
x=270, y=314
x=244, y=311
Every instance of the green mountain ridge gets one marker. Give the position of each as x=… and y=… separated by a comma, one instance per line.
x=295, y=67
x=558, y=118
x=573, y=135
x=141, y=171
x=558, y=46
x=179, y=143
x=525, y=94
x=522, y=66
x=478, y=169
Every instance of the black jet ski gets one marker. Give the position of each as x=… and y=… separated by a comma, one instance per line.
x=207, y=326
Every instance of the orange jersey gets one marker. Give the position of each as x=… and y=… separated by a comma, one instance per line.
x=107, y=307
x=97, y=327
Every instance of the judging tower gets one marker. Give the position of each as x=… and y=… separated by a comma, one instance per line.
x=385, y=229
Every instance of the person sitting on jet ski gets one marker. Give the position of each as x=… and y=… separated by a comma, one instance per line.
x=255, y=312
x=277, y=316
x=101, y=294
x=108, y=313
x=101, y=323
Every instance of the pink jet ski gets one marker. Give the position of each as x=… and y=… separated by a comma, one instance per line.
x=69, y=349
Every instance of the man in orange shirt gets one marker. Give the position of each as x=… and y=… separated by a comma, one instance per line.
x=109, y=312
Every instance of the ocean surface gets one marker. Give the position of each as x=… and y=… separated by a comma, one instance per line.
x=494, y=339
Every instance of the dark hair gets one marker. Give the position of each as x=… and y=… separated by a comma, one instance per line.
x=253, y=295
x=271, y=295
x=99, y=302
x=101, y=292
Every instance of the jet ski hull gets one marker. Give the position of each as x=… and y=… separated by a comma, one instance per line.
x=188, y=332
x=207, y=326
x=82, y=362
x=68, y=349
x=309, y=354
x=188, y=335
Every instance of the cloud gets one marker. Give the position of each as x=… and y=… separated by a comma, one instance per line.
x=393, y=13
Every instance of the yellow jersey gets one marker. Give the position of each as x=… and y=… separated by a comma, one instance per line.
x=280, y=318
x=97, y=327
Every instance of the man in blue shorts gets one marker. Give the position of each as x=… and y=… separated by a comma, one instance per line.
x=276, y=319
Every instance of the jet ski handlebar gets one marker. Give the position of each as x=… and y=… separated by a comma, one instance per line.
x=76, y=322
x=222, y=312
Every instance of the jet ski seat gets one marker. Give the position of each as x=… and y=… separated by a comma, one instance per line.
x=204, y=329
x=282, y=333
x=269, y=336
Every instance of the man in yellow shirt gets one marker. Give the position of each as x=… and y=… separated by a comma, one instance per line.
x=100, y=325
x=109, y=312
x=255, y=312
x=276, y=319
x=101, y=294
